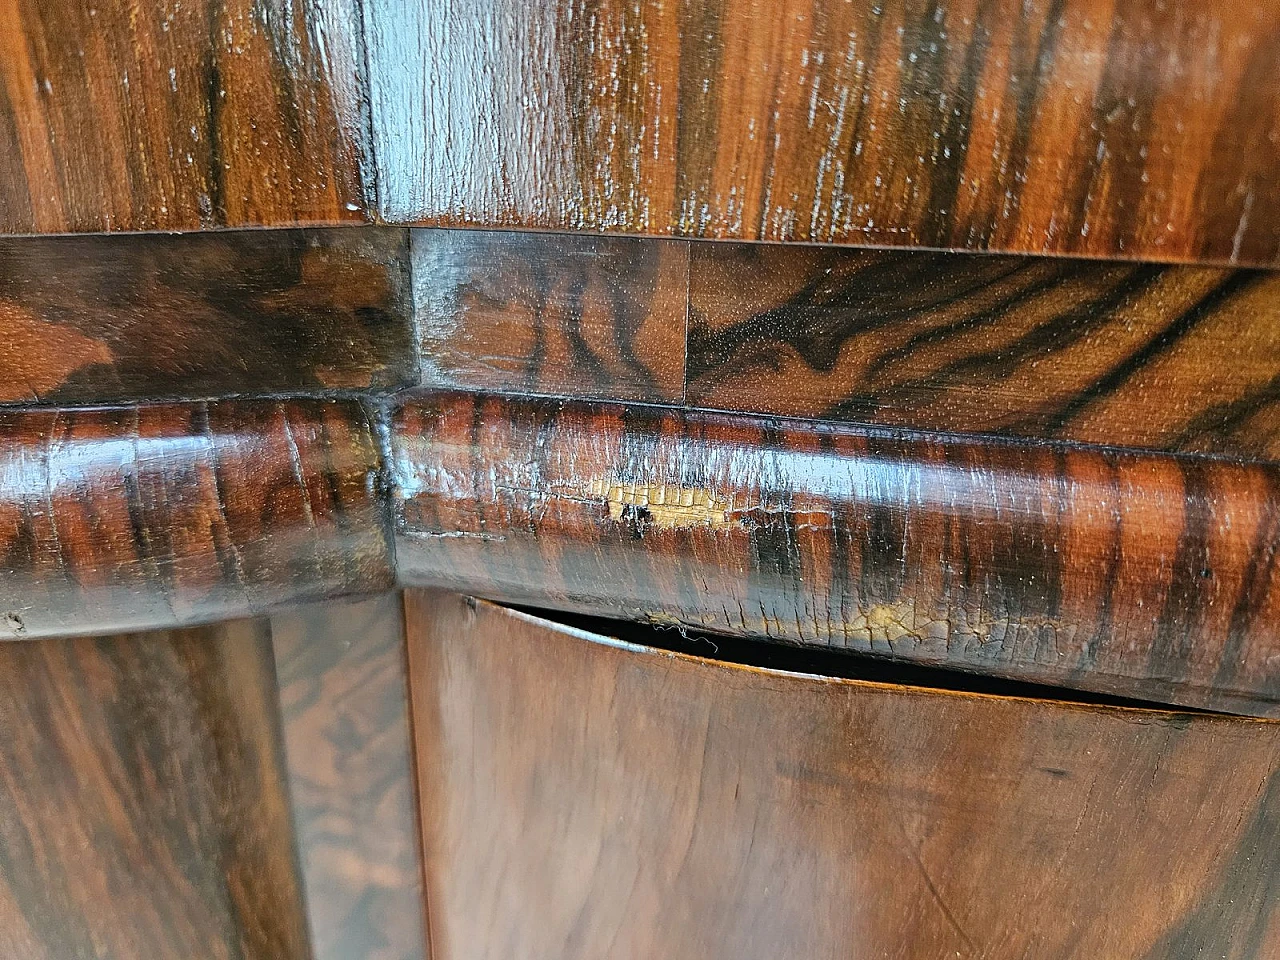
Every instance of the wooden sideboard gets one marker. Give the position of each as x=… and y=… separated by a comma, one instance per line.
x=656, y=479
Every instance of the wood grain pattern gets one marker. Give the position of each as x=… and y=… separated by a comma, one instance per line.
x=586, y=798
x=160, y=116
x=1139, y=129
x=547, y=313
x=1152, y=577
x=143, y=808
x=118, y=518
x=127, y=318
x=1166, y=358
x=1131, y=129
x=345, y=698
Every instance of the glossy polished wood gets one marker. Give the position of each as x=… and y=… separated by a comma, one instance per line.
x=1171, y=358
x=144, y=813
x=119, y=518
x=127, y=318
x=585, y=798
x=1135, y=129
x=161, y=116
x=1139, y=129
x=1132, y=355
x=550, y=313
x=1146, y=576
x=345, y=704
x=1179, y=359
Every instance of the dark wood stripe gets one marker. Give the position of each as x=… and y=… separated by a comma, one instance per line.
x=129, y=318
x=345, y=698
x=550, y=313
x=119, y=518
x=1160, y=358
x=1137, y=129
x=143, y=805
x=585, y=798
x=1146, y=576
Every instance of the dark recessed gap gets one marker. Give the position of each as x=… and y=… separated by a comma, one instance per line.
x=844, y=664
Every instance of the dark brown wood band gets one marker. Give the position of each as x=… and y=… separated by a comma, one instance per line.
x=1147, y=576
x=123, y=518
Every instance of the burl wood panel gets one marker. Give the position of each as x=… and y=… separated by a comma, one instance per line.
x=345, y=699
x=551, y=313
x=143, y=808
x=125, y=318
x=178, y=116
x=1153, y=577
x=584, y=798
x=1139, y=128
x=119, y=518
x=1138, y=355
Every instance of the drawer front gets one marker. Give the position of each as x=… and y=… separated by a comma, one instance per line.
x=588, y=798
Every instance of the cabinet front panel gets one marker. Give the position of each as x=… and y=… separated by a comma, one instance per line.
x=589, y=798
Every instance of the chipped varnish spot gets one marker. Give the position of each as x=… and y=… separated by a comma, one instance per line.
x=666, y=507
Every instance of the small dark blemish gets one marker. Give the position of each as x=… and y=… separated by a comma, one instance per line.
x=13, y=623
x=636, y=519
x=1055, y=772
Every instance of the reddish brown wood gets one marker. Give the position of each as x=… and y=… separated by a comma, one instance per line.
x=160, y=116
x=584, y=798
x=1134, y=129
x=1148, y=576
x=125, y=318
x=1137, y=128
x=144, y=811
x=547, y=313
x=112, y=519
x=1126, y=354
x=345, y=699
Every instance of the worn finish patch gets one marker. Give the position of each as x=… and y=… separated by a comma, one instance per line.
x=664, y=506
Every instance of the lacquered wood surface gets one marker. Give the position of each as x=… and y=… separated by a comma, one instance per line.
x=126, y=318
x=1143, y=575
x=1183, y=359
x=1121, y=354
x=551, y=313
x=587, y=799
x=1139, y=128
x=1132, y=355
x=119, y=518
x=1147, y=576
x=144, y=813
x=345, y=705
x=1136, y=129
x=159, y=116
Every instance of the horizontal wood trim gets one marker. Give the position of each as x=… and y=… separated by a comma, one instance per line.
x=1134, y=130
x=552, y=313
x=583, y=798
x=120, y=518
x=1142, y=575
x=1128, y=355
x=121, y=319
x=1146, y=576
x=1175, y=359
